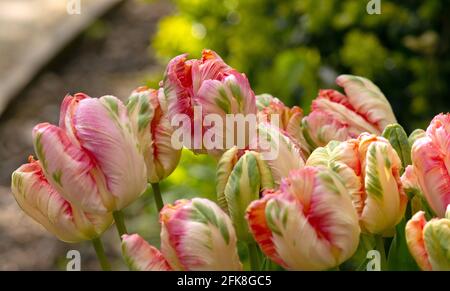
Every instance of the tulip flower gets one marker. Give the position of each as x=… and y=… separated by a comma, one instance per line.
x=243, y=175
x=288, y=119
x=44, y=204
x=141, y=256
x=309, y=224
x=211, y=85
x=429, y=242
x=335, y=116
x=430, y=159
x=195, y=235
x=153, y=130
x=240, y=179
x=92, y=159
x=375, y=184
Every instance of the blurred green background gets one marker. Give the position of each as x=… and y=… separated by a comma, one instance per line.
x=292, y=48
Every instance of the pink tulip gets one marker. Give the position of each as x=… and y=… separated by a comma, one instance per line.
x=309, y=224
x=370, y=169
x=195, y=235
x=429, y=241
x=431, y=162
x=44, y=204
x=208, y=83
x=335, y=116
x=154, y=132
x=141, y=256
x=289, y=119
x=92, y=159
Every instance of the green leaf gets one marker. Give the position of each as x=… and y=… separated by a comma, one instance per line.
x=399, y=258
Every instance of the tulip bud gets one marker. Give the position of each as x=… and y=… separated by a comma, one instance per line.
x=380, y=200
x=430, y=156
x=429, y=242
x=141, y=256
x=410, y=182
x=309, y=224
x=335, y=116
x=288, y=119
x=44, y=204
x=281, y=152
x=92, y=158
x=208, y=83
x=240, y=179
x=398, y=138
x=154, y=132
x=197, y=235
x=415, y=135
x=242, y=176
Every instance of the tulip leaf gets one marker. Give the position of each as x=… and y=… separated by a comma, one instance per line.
x=399, y=258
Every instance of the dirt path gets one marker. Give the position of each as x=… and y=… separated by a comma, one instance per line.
x=113, y=57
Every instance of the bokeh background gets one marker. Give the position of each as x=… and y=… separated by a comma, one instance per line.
x=288, y=48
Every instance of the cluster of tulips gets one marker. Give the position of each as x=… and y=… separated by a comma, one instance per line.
x=347, y=178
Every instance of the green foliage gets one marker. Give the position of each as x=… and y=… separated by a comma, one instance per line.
x=292, y=48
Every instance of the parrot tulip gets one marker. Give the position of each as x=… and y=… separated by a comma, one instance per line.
x=211, y=85
x=141, y=256
x=374, y=181
x=243, y=175
x=429, y=242
x=195, y=235
x=92, y=159
x=431, y=163
x=153, y=130
x=309, y=224
x=289, y=119
x=335, y=116
x=44, y=204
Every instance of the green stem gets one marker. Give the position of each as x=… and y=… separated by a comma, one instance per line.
x=253, y=256
x=100, y=251
x=379, y=244
x=120, y=223
x=157, y=195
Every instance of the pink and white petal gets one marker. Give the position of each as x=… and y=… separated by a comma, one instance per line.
x=368, y=100
x=141, y=256
x=319, y=128
x=324, y=213
x=68, y=108
x=414, y=239
x=256, y=218
x=44, y=204
x=103, y=129
x=68, y=168
x=356, y=123
x=203, y=237
x=281, y=152
x=432, y=174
